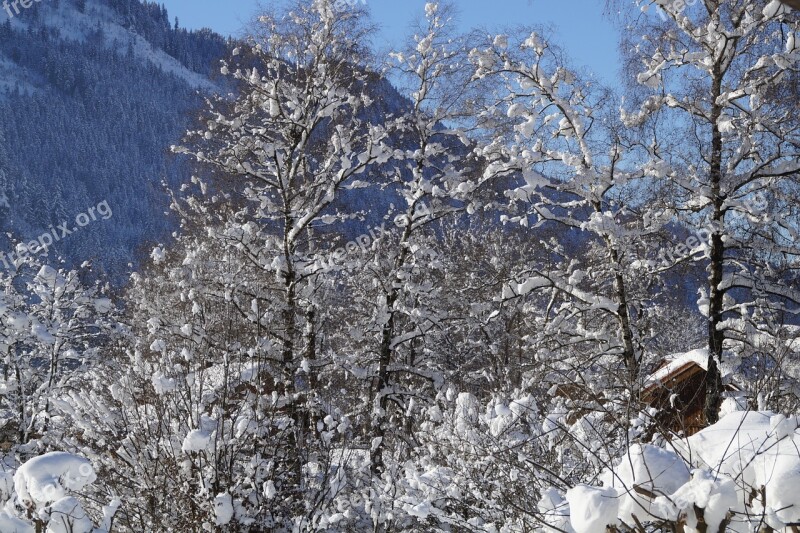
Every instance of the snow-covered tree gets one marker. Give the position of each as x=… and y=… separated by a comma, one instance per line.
x=429, y=181
x=569, y=177
x=714, y=79
x=218, y=410
x=289, y=145
x=53, y=327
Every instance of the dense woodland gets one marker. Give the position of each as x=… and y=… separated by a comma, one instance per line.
x=440, y=305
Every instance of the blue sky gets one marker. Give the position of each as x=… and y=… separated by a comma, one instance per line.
x=579, y=25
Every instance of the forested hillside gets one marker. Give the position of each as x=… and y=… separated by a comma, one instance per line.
x=92, y=93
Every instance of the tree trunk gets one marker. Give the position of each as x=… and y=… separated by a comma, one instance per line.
x=623, y=315
x=713, y=380
x=385, y=353
x=383, y=382
x=629, y=352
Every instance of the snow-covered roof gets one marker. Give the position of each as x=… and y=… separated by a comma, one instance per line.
x=675, y=363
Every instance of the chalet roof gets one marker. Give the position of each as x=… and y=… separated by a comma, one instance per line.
x=677, y=365
x=680, y=367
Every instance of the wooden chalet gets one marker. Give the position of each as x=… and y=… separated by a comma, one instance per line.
x=677, y=389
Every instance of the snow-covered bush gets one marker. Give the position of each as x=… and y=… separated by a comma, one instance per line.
x=51, y=330
x=736, y=475
x=44, y=495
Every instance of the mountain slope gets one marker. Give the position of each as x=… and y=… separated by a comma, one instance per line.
x=93, y=93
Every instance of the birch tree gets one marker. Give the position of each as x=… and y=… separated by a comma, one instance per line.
x=715, y=75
